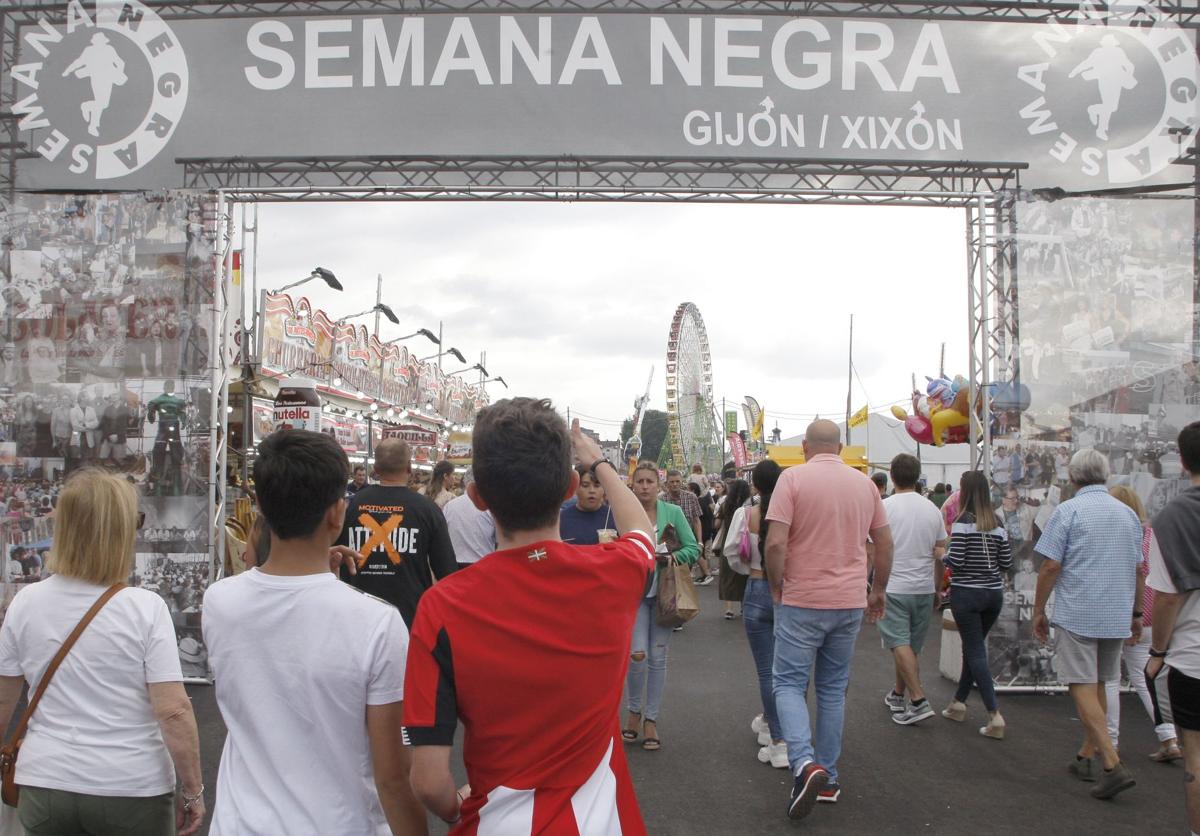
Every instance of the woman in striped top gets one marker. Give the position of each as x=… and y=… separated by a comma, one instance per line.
x=977, y=556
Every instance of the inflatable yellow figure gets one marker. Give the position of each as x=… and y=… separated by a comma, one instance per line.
x=943, y=418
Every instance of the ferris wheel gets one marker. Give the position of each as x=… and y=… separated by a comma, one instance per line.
x=694, y=431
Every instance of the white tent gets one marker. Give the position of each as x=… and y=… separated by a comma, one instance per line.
x=885, y=438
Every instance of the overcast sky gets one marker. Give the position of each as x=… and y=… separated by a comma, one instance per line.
x=574, y=301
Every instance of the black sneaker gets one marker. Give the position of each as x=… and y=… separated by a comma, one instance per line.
x=808, y=785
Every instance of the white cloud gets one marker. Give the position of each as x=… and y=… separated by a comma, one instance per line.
x=574, y=301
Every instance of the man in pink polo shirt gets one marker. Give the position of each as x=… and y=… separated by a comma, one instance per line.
x=817, y=527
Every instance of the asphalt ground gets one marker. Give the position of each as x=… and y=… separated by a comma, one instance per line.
x=931, y=778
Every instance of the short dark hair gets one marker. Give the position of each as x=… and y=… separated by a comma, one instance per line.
x=392, y=457
x=880, y=479
x=298, y=475
x=360, y=468
x=522, y=460
x=906, y=470
x=694, y=488
x=1189, y=448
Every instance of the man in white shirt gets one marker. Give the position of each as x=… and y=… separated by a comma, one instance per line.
x=472, y=532
x=309, y=671
x=920, y=542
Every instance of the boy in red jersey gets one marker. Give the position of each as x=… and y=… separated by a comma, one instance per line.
x=528, y=647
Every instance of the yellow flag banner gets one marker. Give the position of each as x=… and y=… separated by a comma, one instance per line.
x=756, y=433
x=859, y=418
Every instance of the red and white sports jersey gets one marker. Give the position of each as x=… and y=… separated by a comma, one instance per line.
x=528, y=648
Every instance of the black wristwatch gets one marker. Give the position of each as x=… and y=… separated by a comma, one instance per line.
x=596, y=464
x=1158, y=654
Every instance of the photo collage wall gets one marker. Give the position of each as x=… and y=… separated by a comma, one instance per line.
x=1106, y=312
x=106, y=304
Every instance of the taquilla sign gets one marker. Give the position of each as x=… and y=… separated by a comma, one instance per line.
x=111, y=95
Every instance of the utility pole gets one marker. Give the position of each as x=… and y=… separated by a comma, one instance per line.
x=441, y=345
x=849, y=378
x=378, y=300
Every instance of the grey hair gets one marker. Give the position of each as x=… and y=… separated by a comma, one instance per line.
x=1088, y=467
x=671, y=473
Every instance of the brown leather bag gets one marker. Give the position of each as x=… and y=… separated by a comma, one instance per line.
x=9, y=791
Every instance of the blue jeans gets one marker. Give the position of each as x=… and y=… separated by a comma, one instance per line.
x=817, y=644
x=975, y=611
x=758, y=614
x=648, y=674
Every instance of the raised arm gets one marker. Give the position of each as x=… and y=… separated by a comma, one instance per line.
x=627, y=512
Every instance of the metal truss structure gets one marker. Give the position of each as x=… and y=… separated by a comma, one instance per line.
x=703, y=180
x=993, y=312
x=983, y=190
x=1029, y=11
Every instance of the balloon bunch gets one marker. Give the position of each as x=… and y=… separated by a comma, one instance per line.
x=940, y=415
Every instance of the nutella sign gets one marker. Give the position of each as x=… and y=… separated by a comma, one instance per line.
x=297, y=406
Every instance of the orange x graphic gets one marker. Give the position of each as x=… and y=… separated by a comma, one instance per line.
x=379, y=537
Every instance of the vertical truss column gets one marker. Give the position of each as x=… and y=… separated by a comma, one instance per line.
x=993, y=310
x=222, y=233
x=980, y=217
x=1005, y=326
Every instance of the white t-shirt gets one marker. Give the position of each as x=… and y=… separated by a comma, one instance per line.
x=94, y=731
x=917, y=527
x=472, y=532
x=1183, y=654
x=296, y=660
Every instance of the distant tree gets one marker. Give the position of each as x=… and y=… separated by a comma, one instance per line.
x=654, y=434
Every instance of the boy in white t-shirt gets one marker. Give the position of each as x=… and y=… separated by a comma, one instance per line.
x=920, y=541
x=309, y=671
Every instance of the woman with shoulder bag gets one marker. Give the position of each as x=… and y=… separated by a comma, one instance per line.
x=758, y=616
x=647, y=675
x=730, y=541
x=115, y=726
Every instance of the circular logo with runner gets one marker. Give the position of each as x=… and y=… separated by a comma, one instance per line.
x=1113, y=97
x=107, y=89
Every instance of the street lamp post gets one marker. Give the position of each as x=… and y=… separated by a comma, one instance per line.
x=420, y=332
x=482, y=371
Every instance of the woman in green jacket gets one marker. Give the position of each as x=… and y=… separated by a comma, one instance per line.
x=648, y=652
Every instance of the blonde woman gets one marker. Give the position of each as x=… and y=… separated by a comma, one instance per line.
x=115, y=727
x=1137, y=652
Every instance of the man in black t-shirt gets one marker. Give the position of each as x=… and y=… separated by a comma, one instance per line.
x=400, y=536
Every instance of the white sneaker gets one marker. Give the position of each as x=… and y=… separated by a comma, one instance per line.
x=764, y=738
x=759, y=725
x=774, y=754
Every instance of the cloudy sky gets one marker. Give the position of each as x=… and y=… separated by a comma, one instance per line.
x=574, y=301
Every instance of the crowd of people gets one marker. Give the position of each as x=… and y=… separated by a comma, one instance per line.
x=531, y=590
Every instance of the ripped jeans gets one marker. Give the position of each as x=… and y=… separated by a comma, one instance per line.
x=648, y=674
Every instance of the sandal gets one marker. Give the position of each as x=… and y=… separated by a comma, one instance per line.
x=1166, y=754
x=651, y=744
x=631, y=735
